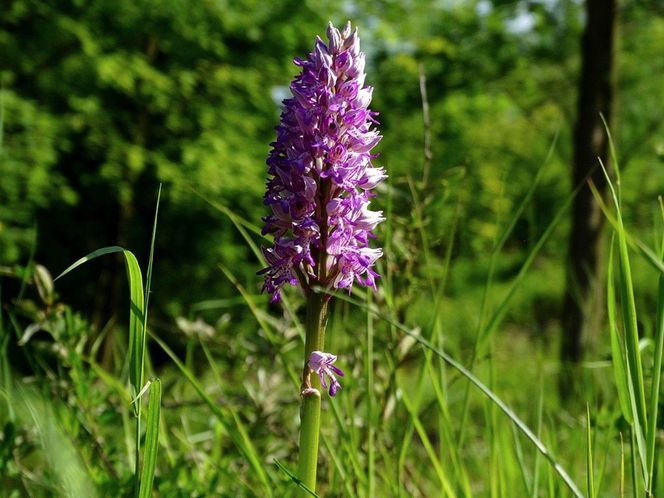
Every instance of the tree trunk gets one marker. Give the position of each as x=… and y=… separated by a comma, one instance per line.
x=590, y=143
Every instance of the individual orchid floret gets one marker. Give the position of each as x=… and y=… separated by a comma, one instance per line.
x=321, y=176
x=322, y=364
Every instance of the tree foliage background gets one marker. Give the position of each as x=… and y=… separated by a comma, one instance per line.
x=103, y=100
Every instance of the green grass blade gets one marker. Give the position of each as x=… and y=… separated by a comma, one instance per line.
x=642, y=248
x=525, y=430
x=61, y=454
x=136, y=320
x=421, y=432
x=6, y=374
x=148, y=277
x=446, y=436
x=136, y=309
x=502, y=308
x=294, y=478
x=627, y=297
x=237, y=220
x=233, y=427
x=483, y=332
x=651, y=435
x=521, y=463
x=538, y=431
x=151, y=439
x=265, y=326
x=590, y=478
x=617, y=352
x=345, y=436
x=332, y=451
x=497, y=448
x=608, y=450
x=637, y=436
x=622, y=466
x=630, y=327
x=88, y=257
x=633, y=473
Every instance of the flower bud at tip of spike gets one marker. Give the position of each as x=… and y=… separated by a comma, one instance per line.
x=347, y=30
x=323, y=58
x=352, y=43
x=334, y=38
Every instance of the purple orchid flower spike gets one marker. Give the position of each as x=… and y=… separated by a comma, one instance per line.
x=321, y=174
x=321, y=181
x=322, y=364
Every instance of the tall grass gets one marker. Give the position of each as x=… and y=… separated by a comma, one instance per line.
x=428, y=408
x=639, y=407
x=138, y=319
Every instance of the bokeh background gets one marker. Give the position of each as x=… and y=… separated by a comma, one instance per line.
x=102, y=101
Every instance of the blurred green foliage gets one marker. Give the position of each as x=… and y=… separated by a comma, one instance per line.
x=106, y=99
x=103, y=100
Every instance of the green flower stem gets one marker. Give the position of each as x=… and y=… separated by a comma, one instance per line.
x=310, y=411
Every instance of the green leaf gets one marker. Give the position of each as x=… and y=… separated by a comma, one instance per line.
x=617, y=352
x=151, y=439
x=589, y=456
x=630, y=326
x=651, y=435
x=136, y=309
x=91, y=256
x=136, y=320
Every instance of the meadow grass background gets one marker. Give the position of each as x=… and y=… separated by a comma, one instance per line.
x=102, y=102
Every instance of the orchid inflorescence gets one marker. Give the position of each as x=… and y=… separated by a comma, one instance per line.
x=319, y=189
x=322, y=174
